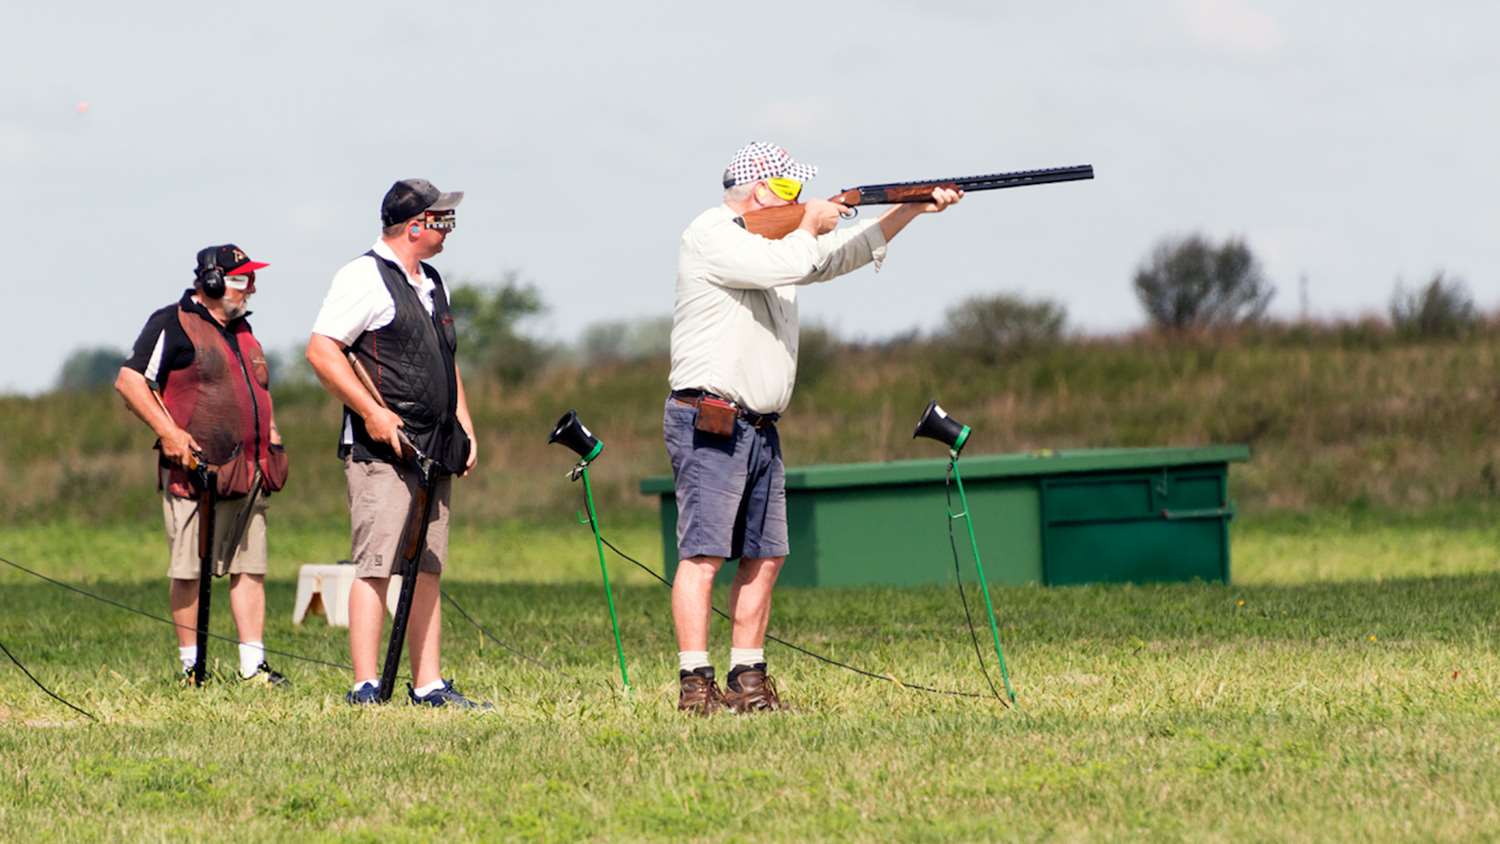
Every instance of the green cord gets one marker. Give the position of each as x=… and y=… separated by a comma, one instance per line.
x=984, y=587
x=614, y=620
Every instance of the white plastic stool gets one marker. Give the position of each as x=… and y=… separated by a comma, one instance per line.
x=324, y=589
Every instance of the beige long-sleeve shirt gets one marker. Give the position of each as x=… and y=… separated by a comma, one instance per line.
x=734, y=325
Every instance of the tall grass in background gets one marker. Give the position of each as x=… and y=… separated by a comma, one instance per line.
x=1347, y=415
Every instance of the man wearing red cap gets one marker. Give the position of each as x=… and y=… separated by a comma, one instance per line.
x=198, y=378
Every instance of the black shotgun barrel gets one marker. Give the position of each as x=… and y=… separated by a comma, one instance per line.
x=921, y=191
x=207, y=499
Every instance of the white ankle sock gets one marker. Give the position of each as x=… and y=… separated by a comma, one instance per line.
x=373, y=683
x=423, y=691
x=746, y=656
x=188, y=654
x=252, y=654
x=690, y=660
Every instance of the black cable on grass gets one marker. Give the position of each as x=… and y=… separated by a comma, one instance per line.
x=517, y=652
x=84, y=592
x=798, y=648
x=959, y=580
x=39, y=685
x=289, y=655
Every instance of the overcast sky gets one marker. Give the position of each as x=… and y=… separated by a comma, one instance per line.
x=1348, y=142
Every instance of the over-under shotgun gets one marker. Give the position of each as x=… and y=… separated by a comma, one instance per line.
x=413, y=537
x=776, y=223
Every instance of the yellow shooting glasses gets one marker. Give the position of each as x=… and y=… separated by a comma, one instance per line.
x=785, y=188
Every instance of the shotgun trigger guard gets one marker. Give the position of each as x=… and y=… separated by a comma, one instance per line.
x=422, y=462
x=200, y=472
x=850, y=212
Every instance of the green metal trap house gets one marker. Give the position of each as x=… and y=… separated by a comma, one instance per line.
x=1129, y=515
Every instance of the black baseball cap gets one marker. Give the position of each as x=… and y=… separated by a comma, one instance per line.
x=230, y=259
x=410, y=197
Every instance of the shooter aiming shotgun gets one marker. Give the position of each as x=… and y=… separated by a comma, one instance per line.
x=780, y=221
x=413, y=536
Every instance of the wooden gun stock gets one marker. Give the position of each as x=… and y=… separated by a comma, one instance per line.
x=413, y=536
x=193, y=460
x=408, y=450
x=778, y=221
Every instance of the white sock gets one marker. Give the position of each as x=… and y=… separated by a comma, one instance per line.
x=188, y=654
x=372, y=683
x=423, y=691
x=746, y=656
x=690, y=660
x=252, y=654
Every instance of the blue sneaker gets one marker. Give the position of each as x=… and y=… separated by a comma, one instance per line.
x=446, y=695
x=365, y=695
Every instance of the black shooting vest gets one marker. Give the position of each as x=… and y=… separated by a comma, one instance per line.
x=411, y=362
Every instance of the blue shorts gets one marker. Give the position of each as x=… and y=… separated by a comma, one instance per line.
x=731, y=492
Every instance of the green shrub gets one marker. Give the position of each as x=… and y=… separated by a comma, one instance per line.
x=1191, y=283
x=1440, y=308
x=991, y=329
x=489, y=340
x=619, y=341
x=86, y=369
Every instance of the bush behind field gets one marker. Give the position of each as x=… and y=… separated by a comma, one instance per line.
x=1344, y=415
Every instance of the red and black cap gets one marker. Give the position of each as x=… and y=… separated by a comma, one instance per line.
x=230, y=259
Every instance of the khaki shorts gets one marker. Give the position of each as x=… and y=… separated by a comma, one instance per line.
x=181, y=515
x=380, y=497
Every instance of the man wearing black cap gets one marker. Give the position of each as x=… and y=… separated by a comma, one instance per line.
x=198, y=378
x=390, y=310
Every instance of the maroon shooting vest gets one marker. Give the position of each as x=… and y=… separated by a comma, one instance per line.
x=224, y=400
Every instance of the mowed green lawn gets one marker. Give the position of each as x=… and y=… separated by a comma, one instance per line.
x=1345, y=687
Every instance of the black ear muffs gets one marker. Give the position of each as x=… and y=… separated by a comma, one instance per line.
x=571, y=433
x=936, y=424
x=208, y=276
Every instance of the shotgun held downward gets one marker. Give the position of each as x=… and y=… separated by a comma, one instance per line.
x=409, y=450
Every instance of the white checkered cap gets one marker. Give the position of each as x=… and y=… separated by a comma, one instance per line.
x=759, y=160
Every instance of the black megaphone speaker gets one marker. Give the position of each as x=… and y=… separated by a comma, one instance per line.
x=571, y=433
x=936, y=424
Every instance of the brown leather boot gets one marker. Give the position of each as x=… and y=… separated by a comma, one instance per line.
x=698, y=693
x=752, y=690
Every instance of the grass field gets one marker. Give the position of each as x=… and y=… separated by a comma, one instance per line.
x=1347, y=686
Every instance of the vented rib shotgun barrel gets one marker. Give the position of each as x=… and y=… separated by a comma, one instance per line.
x=776, y=223
x=207, y=498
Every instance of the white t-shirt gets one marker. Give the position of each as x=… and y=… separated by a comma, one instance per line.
x=734, y=325
x=357, y=301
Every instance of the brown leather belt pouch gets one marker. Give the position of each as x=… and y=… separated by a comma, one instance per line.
x=715, y=416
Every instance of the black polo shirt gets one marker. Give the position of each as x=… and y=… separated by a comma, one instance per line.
x=163, y=347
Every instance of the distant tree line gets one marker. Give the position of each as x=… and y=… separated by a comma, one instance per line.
x=1187, y=284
